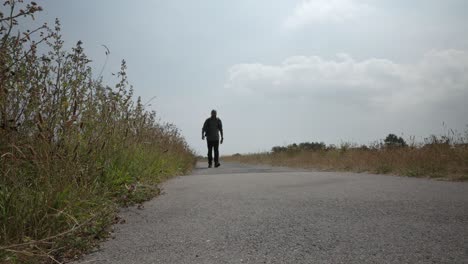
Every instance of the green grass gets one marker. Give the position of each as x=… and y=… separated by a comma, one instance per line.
x=72, y=149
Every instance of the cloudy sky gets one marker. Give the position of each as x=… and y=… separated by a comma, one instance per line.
x=285, y=71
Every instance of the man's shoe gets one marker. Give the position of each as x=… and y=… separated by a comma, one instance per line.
x=217, y=165
x=209, y=166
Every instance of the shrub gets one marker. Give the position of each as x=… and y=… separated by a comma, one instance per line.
x=305, y=146
x=71, y=147
x=394, y=141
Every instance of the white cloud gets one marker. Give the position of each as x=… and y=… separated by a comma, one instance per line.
x=440, y=76
x=313, y=11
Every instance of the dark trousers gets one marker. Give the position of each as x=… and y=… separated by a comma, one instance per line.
x=213, y=145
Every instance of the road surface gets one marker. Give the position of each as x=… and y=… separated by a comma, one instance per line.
x=258, y=214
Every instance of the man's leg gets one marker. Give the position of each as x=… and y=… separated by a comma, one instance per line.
x=216, y=153
x=210, y=153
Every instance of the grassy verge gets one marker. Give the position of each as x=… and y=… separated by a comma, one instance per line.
x=436, y=159
x=72, y=149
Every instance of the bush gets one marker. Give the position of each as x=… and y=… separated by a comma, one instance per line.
x=305, y=146
x=71, y=148
x=394, y=141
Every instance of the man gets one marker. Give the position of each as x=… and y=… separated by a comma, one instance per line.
x=211, y=129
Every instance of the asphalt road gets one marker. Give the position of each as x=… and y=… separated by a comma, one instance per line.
x=258, y=214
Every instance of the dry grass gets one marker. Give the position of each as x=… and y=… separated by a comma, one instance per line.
x=435, y=160
x=71, y=148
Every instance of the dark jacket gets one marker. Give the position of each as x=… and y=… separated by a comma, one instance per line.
x=211, y=128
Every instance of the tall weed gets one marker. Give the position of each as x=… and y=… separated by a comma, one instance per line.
x=437, y=157
x=71, y=147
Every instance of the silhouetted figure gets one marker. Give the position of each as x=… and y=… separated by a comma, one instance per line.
x=211, y=129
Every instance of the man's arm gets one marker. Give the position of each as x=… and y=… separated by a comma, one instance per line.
x=220, y=127
x=203, y=131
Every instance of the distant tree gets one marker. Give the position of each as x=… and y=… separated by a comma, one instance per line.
x=292, y=148
x=312, y=146
x=394, y=141
x=278, y=149
x=305, y=146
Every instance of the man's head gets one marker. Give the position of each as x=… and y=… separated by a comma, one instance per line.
x=213, y=113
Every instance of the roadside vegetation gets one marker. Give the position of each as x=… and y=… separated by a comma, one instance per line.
x=72, y=149
x=444, y=157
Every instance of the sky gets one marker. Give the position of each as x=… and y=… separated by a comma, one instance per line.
x=284, y=71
